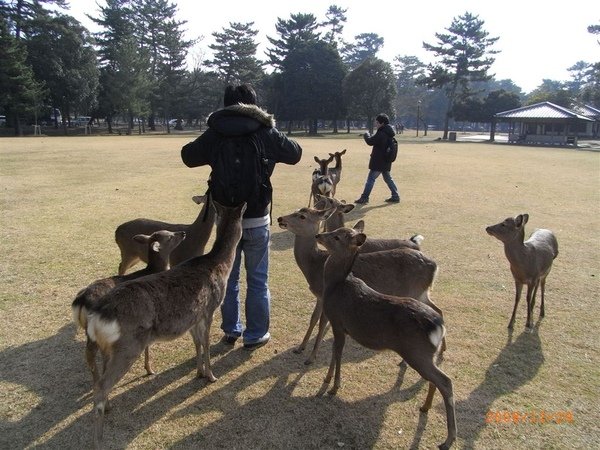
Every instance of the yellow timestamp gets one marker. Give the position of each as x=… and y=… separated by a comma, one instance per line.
x=533, y=417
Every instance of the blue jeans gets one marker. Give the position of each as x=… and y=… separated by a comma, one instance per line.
x=387, y=177
x=255, y=246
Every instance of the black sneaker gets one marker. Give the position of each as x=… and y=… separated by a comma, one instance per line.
x=392, y=200
x=229, y=339
x=362, y=201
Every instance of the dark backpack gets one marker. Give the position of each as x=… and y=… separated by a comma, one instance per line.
x=392, y=150
x=240, y=172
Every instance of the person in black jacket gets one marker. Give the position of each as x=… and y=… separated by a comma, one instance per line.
x=241, y=117
x=379, y=163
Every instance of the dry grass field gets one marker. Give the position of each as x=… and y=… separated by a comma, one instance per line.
x=62, y=198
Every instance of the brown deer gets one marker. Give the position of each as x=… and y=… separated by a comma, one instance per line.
x=336, y=172
x=322, y=182
x=197, y=234
x=163, y=306
x=380, y=322
x=336, y=220
x=403, y=272
x=530, y=261
x=159, y=245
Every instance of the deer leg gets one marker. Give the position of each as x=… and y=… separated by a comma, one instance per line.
x=433, y=306
x=329, y=375
x=313, y=321
x=323, y=321
x=437, y=379
x=543, y=294
x=531, y=290
x=117, y=365
x=127, y=261
x=200, y=334
x=148, y=361
x=339, y=339
x=518, y=290
x=91, y=349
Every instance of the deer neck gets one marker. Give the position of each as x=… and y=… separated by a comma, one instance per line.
x=336, y=271
x=515, y=248
x=156, y=263
x=310, y=260
x=228, y=237
x=203, y=223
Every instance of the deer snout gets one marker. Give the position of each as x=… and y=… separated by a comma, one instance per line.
x=281, y=223
x=489, y=230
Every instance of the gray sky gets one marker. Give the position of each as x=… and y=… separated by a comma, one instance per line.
x=538, y=39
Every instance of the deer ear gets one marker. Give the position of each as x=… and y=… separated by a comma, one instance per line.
x=359, y=239
x=155, y=246
x=521, y=220
x=343, y=152
x=141, y=238
x=316, y=159
x=199, y=199
x=326, y=213
x=525, y=218
x=347, y=208
x=359, y=226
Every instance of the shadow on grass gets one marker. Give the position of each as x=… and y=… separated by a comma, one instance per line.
x=54, y=370
x=515, y=366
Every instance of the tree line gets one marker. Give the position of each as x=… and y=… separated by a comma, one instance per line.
x=135, y=70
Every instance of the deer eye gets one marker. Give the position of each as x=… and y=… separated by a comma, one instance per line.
x=302, y=216
x=337, y=238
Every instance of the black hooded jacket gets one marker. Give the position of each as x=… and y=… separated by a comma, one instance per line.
x=380, y=141
x=239, y=120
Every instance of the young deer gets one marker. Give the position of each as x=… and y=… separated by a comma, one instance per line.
x=530, y=261
x=197, y=234
x=159, y=245
x=380, y=322
x=163, y=306
x=403, y=272
x=336, y=220
x=322, y=182
x=336, y=172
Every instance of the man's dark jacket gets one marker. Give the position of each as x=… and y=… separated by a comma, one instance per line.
x=239, y=120
x=380, y=141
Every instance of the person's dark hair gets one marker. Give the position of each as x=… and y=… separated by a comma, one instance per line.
x=243, y=93
x=382, y=118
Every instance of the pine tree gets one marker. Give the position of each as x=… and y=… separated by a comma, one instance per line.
x=19, y=91
x=235, y=54
x=299, y=30
x=464, y=57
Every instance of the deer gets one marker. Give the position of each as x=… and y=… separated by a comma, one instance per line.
x=380, y=322
x=163, y=306
x=530, y=260
x=159, y=246
x=336, y=220
x=400, y=271
x=322, y=182
x=197, y=234
x=336, y=172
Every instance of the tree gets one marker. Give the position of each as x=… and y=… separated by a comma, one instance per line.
x=162, y=36
x=556, y=92
x=464, y=57
x=299, y=30
x=369, y=89
x=19, y=91
x=409, y=70
x=334, y=23
x=124, y=64
x=590, y=91
x=311, y=83
x=366, y=45
x=61, y=54
x=235, y=54
x=21, y=12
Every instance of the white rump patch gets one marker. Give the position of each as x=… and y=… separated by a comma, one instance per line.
x=79, y=315
x=100, y=330
x=437, y=335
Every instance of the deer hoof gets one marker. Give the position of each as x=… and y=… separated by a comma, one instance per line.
x=424, y=409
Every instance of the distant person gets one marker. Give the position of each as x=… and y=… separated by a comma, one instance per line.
x=243, y=127
x=379, y=163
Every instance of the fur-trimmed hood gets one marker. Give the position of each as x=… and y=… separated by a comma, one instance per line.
x=240, y=119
